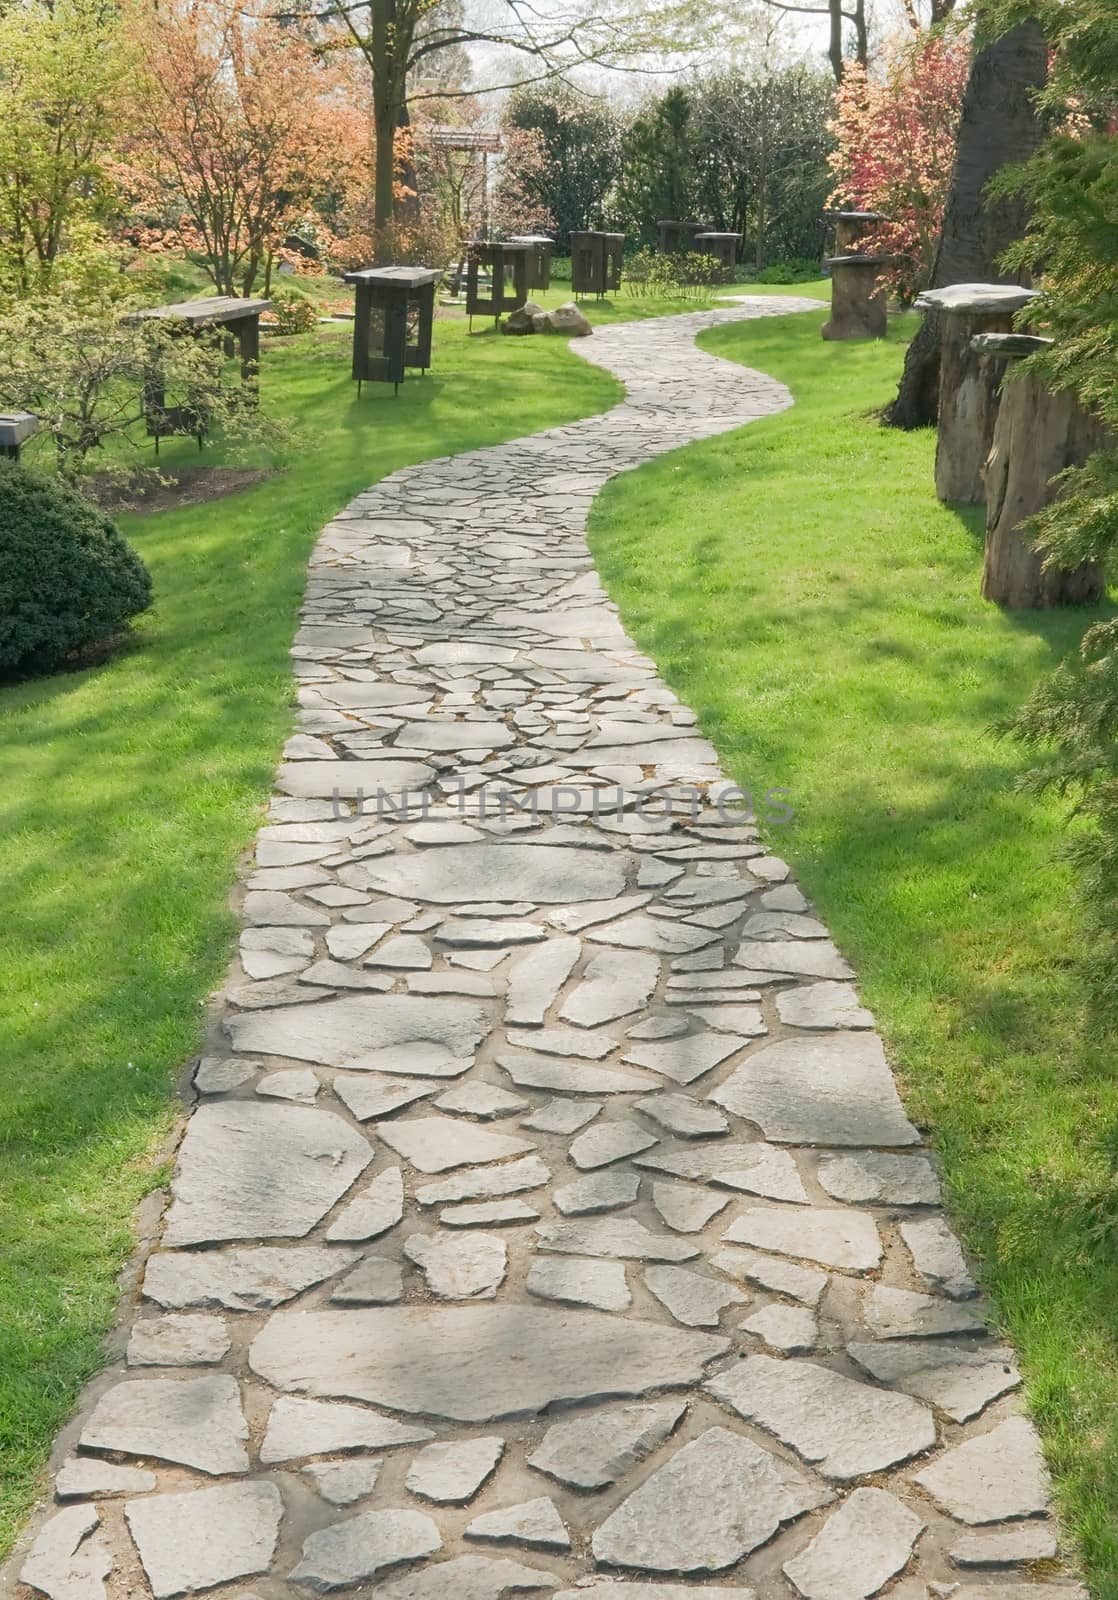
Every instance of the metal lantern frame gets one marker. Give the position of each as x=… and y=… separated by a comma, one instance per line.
x=393, y=323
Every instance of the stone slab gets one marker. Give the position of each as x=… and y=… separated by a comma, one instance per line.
x=249, y=1171
x=194, y=1541
x=476, y=1363
x=836, y=1090
x=717, y=1499
x=595, y=1451
x=847, y=1429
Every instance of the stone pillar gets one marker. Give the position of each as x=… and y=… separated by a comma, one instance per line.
x=969, y=381
x=858, y=304
x=1037, y=434
x=851, y=228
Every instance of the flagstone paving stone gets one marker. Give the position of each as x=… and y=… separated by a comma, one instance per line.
x=708, y=1289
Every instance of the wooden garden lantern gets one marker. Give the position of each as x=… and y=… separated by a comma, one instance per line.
x=540, y=247
x=506, y=264
x=724, y=247
x=1038, y=433
x=969, y=380
x=16, y=427
x=615, y=260
x=589, y=263
x=393, y=321
x=676, y=238
x=233, y=319
x=858, y=303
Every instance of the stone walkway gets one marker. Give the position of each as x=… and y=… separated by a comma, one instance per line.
x=548, y=1220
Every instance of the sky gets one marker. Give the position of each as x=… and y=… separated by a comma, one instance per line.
x=800, y=38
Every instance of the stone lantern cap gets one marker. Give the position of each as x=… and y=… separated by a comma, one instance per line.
x=975, y=298
x=855, y=260
x=16, y=426
x=855, y=216
x=1009, y=346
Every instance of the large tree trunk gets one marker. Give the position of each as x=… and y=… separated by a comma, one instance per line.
x=999, y=126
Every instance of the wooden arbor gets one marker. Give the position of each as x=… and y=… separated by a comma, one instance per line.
x=676, y=238
x=223, y=315
x=969, y=381
x=540, y=246
x=724, y=247
x=1038, y=433
x=393, y=322
x=503, y=260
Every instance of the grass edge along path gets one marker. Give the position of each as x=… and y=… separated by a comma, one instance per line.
x=799, y=586
x=129, y=791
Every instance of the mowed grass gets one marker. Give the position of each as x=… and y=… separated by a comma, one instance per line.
x=801, y=588
x=128, y=792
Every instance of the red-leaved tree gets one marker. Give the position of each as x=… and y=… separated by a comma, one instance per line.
x=895, y=140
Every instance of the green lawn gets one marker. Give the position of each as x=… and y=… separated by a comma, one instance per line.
x=127, y=794
x=801, y=588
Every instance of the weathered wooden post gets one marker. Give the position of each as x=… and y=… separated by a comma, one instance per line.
x=1036, y=435
x=969, y=381
x=858, y=302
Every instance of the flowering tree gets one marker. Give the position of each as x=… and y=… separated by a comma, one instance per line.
x=238, y=130
x=895, y=139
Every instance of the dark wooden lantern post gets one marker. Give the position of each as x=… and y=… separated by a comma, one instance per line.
x=393, y=322
x=237, y=322
x=503, y=261
x=724, y=247
x=969, y=381
x=16, y=427
x=858, y=302
x=540, y=247
x=615, y=260
x=1037, y=434
x=589, y=263
x=676, y=238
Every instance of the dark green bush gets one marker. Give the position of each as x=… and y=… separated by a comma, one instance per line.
x=67, y=578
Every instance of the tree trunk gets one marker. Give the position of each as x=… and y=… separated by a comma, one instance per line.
x=999, y=126
x=1038, y=434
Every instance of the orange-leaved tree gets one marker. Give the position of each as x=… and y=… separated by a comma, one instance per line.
x=238, y=129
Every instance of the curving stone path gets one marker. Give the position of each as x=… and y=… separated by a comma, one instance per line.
x=548, y=1221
